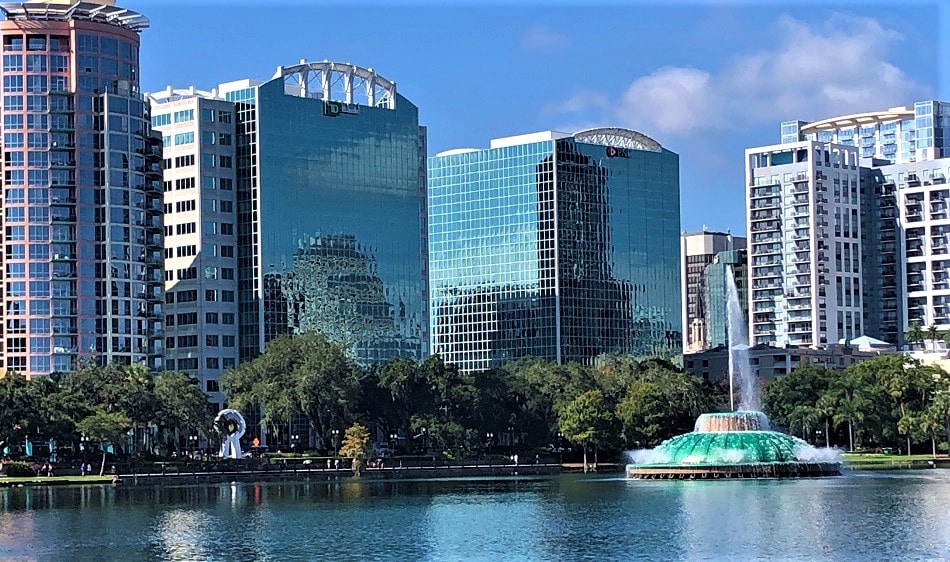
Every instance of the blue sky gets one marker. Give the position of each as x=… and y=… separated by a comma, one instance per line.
x=705, y=79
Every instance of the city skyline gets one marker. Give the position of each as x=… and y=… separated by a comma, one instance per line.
x=696, y=50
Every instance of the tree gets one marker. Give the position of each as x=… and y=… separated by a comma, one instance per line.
x=786, y=399
x=104, y=427
x=662, y=402
x=586, y=420
x=915, y=334
x=848, y=395
x=19, y=409
x=932, y=334
x=356, y=446
x=181, y=406
x=305, y=373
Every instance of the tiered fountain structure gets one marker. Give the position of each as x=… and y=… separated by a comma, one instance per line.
x=738, y=444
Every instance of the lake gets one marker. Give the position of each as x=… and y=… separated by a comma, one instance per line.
x=859, y=516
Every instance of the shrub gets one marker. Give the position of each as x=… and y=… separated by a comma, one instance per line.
x=18, y=469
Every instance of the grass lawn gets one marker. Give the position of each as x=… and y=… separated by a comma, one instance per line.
x=7, y=480
x=878, y=461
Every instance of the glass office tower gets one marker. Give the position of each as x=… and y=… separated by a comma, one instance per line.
x=330, y=175
x=82, y=209
x=555, y=246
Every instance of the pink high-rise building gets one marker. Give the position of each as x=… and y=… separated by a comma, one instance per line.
x=82, y=191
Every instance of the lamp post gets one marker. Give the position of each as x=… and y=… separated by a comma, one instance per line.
x=560, y=447
x=294, y=442
x=192, y=445
x=488, y=437
x=511, y=440
x=393, y=439
x=425, y=441
x=336, y=440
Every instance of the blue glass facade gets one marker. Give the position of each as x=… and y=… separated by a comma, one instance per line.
x=331, y=222
x=557, y=248
x=716, y=297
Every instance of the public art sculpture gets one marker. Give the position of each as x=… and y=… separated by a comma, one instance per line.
x=736, y=444
x=230, y=426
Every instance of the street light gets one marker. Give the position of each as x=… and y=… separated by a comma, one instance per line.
x=488, y=437
x=336, y=440
x=193, y=444
x=560, y=447
x=425, y=441
x=393, y=439
x=294, y=441
x=511, y=440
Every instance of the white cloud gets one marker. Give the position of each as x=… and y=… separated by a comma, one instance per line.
x=580, y=102
x=540, y=38
x=814, y=71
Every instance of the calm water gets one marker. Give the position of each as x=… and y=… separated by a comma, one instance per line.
x=861, y=516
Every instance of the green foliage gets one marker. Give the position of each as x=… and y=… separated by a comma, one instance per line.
x=915, y=334
x=105, y=427
x=305, y=373
x=885, y=401
x=18, y=469
x=586, y=419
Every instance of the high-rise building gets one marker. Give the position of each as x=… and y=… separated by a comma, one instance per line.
x=919, y=197
x=698, y=250
x=716, y=294
x=556, y=246
x=901, y=134
x=201, y=310
x=903, y=225
x=82, y=210
x=318, y=185
x=805, y=268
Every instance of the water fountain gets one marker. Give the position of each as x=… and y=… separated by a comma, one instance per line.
x=739, y=443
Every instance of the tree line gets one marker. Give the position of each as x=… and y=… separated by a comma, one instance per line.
x=617, y=403
x=127, y=407
x=886, y=401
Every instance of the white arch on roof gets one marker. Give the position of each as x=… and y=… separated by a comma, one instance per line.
x=618, y=137
x=338, y=81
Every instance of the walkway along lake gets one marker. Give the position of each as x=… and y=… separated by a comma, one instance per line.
x=859, y=516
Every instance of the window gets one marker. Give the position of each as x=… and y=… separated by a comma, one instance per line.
x=184, y=115
x=13, y=83
x=227, y=228
x=224, y=139
x=12, y=63
x=225, y=162
x=207, y=115
x=211, y=295
x=212, y=363
x=211, y=340
x=227, y=318
x=13, y=103
x=36, y=63
x=163, y=119
x=184, y=138
x=211, y=317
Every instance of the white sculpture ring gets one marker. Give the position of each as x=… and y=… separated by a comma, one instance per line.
x=230, y=426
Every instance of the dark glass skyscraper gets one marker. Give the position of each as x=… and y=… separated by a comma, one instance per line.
x=331, y=211
x=82, y=209
x=555, y=246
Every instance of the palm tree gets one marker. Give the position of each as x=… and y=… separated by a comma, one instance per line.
x=932, y=334
x=914, y=333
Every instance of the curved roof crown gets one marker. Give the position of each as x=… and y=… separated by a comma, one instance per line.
x=618, y=137
x=336, y=81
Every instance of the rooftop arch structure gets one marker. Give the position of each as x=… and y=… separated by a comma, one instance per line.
x=618, y=137
x=335, y=81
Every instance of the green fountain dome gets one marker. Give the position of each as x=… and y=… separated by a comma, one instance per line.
x=729, y=447
x=733, y=445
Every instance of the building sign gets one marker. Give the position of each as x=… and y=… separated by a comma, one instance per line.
x=615, y=152
x=335, y=108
